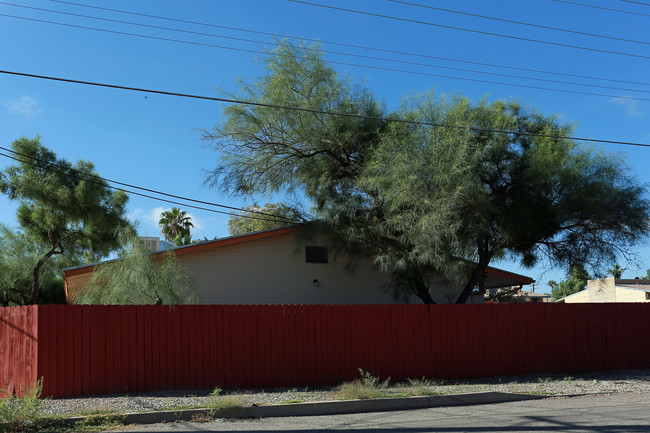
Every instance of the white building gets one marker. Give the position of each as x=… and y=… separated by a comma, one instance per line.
x=612, y=290
x=282, y=267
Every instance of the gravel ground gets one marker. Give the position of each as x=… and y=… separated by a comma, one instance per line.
x=628, y=381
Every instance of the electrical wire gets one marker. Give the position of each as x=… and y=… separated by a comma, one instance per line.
x=636, y=2
x=78, y=175
x=338, y=52
x=320, y=41
x=325, y=112
x=602, y=8
x=355, y=64
x=500, y=35
x=540, y=26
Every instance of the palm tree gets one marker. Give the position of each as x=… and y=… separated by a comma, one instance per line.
x=175, y=226
x=616, y=271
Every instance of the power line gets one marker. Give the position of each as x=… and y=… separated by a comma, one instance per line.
x=325, y=112
x=356, y=64
x=406, y=53
x=339, y=53
x=77, y=174
x=540, y=26
x=133, y=23
x=603, y=8
x=427, y=23
x=636, y=2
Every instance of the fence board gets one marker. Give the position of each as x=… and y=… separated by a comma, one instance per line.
x=157, y=360
x=4, y=351
x=147, y=371
x=16, y=375
x=183, y=342
x=253, y=355
x=121, y=357
x=48, y=352
x=226, y=326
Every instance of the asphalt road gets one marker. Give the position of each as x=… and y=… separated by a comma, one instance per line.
x=616, y=413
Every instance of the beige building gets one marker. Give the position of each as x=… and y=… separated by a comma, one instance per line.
x=282, y=267
x=612, y=290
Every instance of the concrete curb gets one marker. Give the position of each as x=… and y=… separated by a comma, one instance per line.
x=325, y=407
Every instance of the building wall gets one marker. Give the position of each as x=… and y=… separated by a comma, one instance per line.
x=611, y=290
x=580, y=297
x=274, y=271
x=75, y=283
x=630, y=295
x=603, y=290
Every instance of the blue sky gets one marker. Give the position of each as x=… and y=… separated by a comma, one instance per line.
x=153, y=140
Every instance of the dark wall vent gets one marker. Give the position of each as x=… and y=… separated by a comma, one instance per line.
x=315, y=254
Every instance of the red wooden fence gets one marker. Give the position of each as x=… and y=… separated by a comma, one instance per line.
x=18, y=349
x=85, y=350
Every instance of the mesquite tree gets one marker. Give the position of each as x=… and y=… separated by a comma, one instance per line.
x=422, y=198
x=64, y=208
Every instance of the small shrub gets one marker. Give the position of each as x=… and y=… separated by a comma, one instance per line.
x=368, y=386
x=23, y=412
x=26, y=414
x=219, y=402
x=423, y=386
x=227, y=402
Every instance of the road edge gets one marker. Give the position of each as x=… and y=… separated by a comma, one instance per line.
x=324, y=407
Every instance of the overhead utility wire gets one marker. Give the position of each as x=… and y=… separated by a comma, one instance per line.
x=52, y=166
x=119, y=189
x=603, y=8
x=406, y=53
x=500, y=35
x=78, y=174
x=314, y=111
x=637, y=3
x=350, y=64
x=337, y=52
x=540, y=26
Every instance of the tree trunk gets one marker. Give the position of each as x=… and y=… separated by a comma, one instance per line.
x=37, y=269
x=476, y=276
x=426, y=298
x=478, y=272
x=420, y=288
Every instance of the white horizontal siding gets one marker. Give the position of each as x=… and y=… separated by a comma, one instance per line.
x=579, y=297
x=273, y=271
x=628, y=295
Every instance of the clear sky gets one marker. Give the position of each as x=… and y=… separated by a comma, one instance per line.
x=153, y=141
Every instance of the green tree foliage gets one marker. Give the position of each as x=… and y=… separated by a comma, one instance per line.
x=420, y=199
x=256, y=218
x=267, y=150
x=175, y=225
x=18, y=256
x=483, y=195
x=139, y=277
x=575, y=282
x=616, y=271
x=63, y=209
